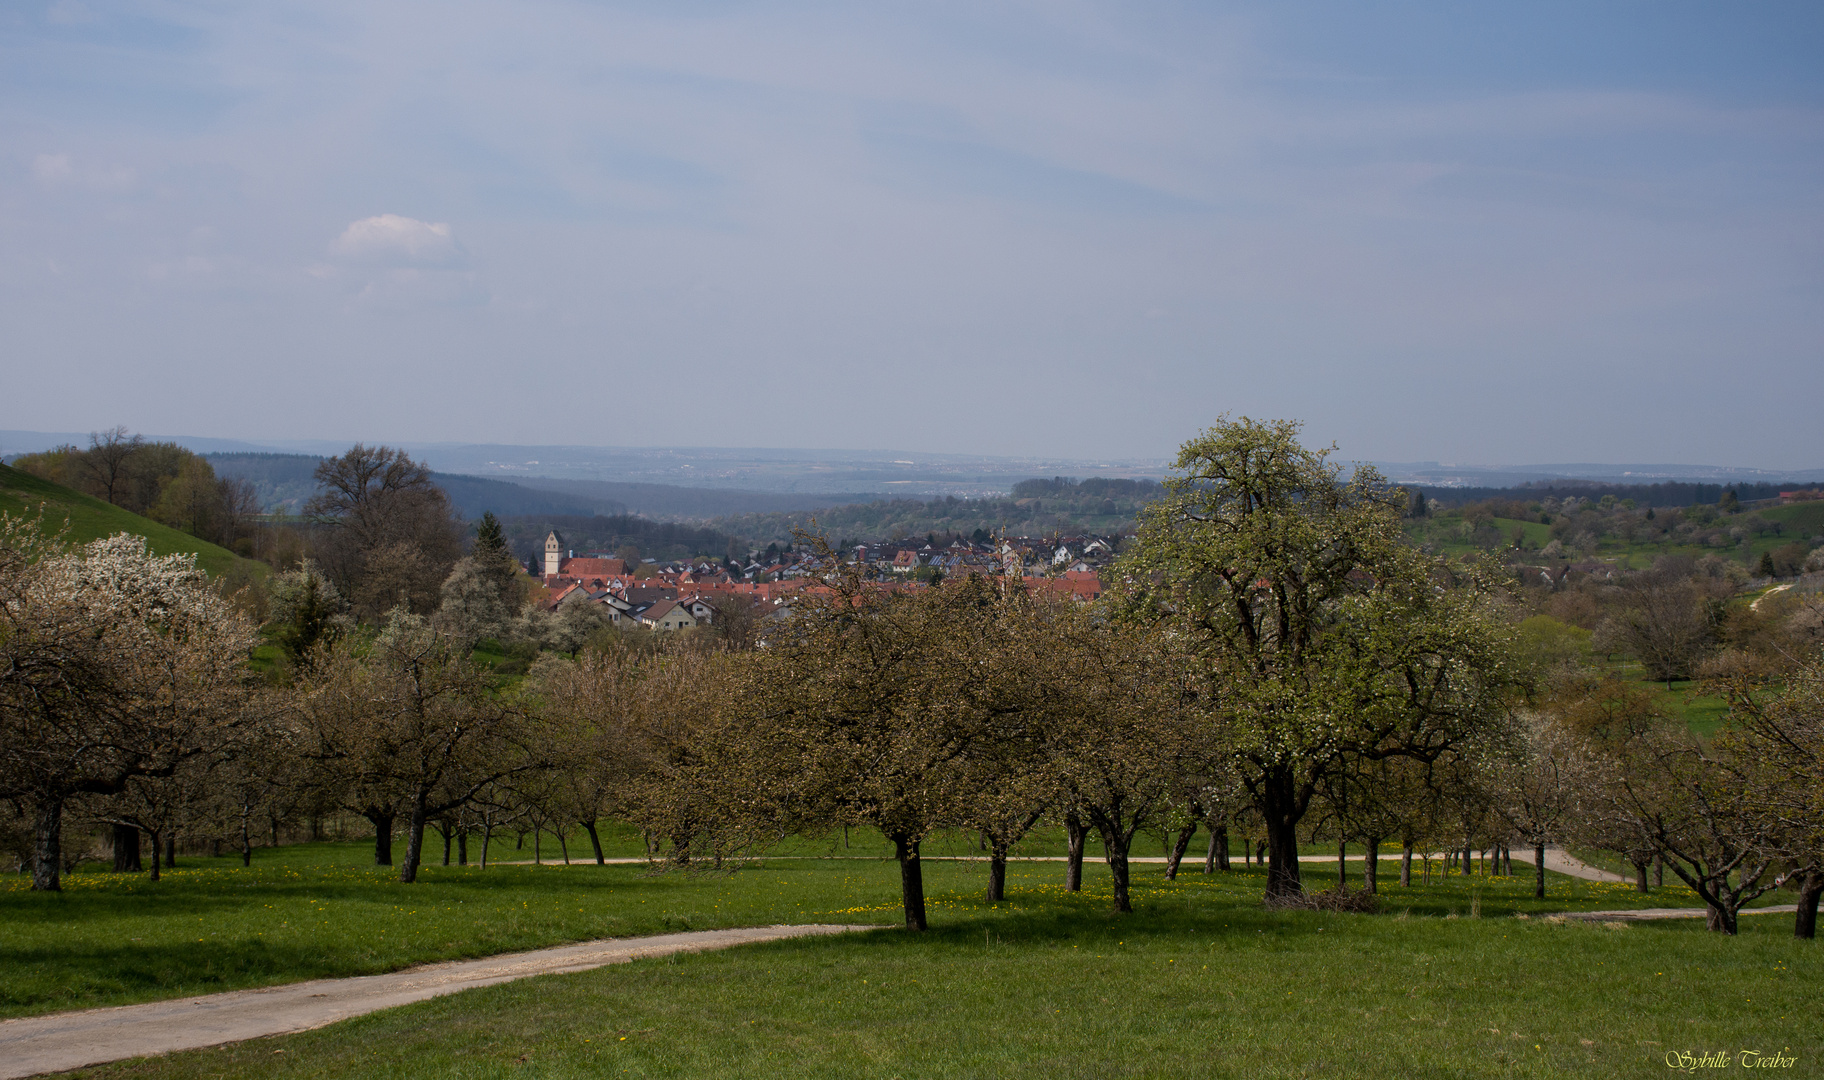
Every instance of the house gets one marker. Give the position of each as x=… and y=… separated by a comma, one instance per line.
x=905, y=562
x=667, y=615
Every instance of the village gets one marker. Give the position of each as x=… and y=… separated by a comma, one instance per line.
x=672, y=596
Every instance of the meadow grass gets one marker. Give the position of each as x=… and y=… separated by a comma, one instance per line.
x=1200, y=980
x=89, y=518
x=321, y=910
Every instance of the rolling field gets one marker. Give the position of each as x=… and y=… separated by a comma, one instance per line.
x=88, y=518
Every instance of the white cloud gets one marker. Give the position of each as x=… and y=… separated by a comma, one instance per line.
x=393, y=240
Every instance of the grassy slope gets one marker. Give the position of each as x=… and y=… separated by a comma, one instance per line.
x=1199, y=981
x=91, y=519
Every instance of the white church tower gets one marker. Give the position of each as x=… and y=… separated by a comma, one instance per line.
x=554, y=553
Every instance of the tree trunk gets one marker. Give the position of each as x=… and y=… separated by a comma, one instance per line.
x=1469, y=858
x=246, y=840
x=1406, y=865
x=1538, y=871
x=563, y=843
x=1076, y=832
x=1805, y=923
x=157, y=869
x=1180, y=845
x=462, y=847
x=997, y=872
x=1219, y=837
x=126, y=849
x=1640, y=875
x=171, y=849
x=1507, y=860
x=383, y=833
x=414, y=841
x=487, y=834
x=1719, y=919
x=595, y=841
x=1282, y=846
x=47, y=847
x=1659, y=870
x=1371, y=865
x=1115, y=845
x=911, y=881
x=1342, y=863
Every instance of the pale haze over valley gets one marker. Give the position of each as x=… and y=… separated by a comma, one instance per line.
x=1059, y=233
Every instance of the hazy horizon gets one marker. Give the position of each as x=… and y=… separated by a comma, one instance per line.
x=1078, y=232
x=858, y=470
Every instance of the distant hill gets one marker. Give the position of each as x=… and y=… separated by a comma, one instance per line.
x=1038, y=507
x=91, y=519
x=667, y=501
x=285, y=482
x=1665, y=493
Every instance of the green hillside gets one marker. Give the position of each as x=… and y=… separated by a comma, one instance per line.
x=91, y=519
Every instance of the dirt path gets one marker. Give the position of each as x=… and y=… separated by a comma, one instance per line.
x=1565, y=864
x=55, y=1043
x=1669, y=913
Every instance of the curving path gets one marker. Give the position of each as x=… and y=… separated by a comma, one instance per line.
x=62, y=1041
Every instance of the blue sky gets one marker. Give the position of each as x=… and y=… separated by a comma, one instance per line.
x=1551, y=232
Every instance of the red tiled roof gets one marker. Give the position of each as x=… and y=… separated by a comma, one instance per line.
x=592, y=568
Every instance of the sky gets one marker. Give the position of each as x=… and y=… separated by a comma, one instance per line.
x=1494, y=234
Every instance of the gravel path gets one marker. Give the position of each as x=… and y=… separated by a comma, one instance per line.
x=55, y=1043
x=1669, y=913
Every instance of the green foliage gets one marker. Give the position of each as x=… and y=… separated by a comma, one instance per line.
x=1324, y=638
x=307, y=611
x=490, y=541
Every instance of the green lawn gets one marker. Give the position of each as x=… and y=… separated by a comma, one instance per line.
x=316, y=910
x=22, y=494
x=1198, y=981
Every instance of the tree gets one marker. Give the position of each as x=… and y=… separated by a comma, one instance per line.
x=409, y=726
x=114, y=664
x=1664, y=622
x=1121, y=727
x=1541, y=789
x=1666, y=793
x=1775, y=745
x=857, y=713
x=109, y=459
x=1321, y=635
x=391, y=535
x=307, y=611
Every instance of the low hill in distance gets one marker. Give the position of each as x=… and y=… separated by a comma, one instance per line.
x=676, y=503
x=285, y=482
x=1097, y=506
x=22, y=494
